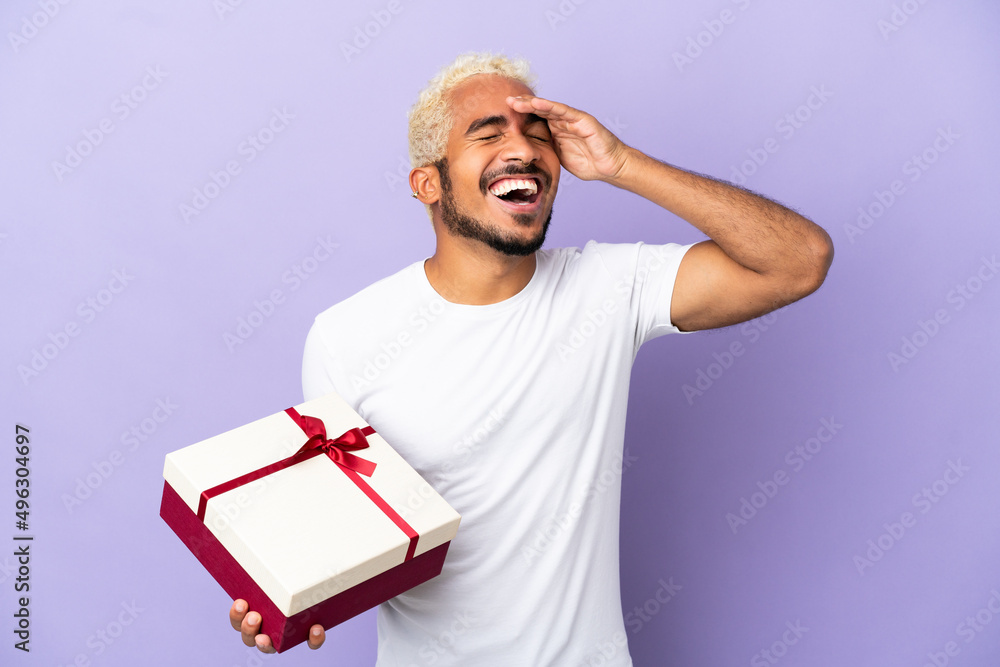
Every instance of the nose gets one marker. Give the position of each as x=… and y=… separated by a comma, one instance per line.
x=518, y=146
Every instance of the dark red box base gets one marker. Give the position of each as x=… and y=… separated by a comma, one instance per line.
x=286, y=632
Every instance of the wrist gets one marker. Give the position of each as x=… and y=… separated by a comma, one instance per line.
x=629, y=165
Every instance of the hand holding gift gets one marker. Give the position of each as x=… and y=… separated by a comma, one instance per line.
x=248, y=624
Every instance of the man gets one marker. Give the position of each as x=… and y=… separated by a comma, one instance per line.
x=507, y=382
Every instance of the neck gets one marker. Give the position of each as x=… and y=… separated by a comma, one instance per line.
x=468, y=272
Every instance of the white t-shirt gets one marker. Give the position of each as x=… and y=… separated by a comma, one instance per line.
x=515, y=413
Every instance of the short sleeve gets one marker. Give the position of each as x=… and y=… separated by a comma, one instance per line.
x=645, y=276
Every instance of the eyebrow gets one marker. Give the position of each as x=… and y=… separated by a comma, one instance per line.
x=499, y=121
x=480, y=123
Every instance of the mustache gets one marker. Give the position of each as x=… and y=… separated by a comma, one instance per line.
x=529, y=169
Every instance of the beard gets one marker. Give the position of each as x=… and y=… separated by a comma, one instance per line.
x=460, y=224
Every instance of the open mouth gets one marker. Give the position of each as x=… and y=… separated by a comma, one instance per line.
x=518, y=193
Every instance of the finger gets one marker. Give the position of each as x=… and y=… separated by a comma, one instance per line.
x=545, y=108
x=237, y=612
x=539, y=105
x=316, y=637
x=250, y=628
x=264, y=644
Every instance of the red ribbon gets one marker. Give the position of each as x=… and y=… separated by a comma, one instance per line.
x=337, y=450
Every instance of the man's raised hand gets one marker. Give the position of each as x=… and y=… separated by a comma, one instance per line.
x=586, y=149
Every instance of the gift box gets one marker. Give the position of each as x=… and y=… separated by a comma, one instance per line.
x=308, y=515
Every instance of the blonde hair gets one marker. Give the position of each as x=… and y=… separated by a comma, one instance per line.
x=431, y=119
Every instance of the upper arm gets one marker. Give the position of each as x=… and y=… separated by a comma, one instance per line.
x=316, y=362
x=713, y=290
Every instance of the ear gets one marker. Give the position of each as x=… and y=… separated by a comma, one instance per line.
x=426, y=182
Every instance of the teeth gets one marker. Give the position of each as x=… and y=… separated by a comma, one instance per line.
x=506, y=185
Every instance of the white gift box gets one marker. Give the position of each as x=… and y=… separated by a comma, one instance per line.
x=306, y=541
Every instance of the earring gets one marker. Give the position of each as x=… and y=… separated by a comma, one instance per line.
x=414, y=195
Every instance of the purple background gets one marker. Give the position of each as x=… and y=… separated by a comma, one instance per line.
x=331, y=173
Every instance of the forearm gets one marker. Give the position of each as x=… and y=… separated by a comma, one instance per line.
x=755, y=232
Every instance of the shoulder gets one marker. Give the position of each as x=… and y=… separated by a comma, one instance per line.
x=596, y=260
x=625, y=270
x=387, y=292
x=375, y=308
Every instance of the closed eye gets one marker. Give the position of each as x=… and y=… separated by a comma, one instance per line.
x=497, y=136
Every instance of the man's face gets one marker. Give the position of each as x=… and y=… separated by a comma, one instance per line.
x=501, y=172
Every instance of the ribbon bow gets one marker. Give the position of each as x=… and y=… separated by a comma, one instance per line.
x=337, y=449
